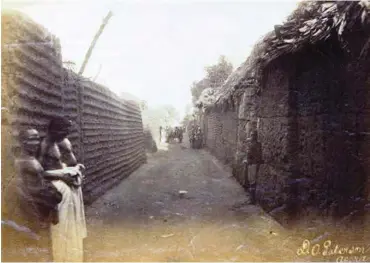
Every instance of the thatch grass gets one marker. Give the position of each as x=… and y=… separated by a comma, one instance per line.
x=310, y=23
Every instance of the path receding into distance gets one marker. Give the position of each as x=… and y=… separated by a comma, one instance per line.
x=145, y=218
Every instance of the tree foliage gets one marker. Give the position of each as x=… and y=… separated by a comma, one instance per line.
x=215, y=77
x=217, y=74
x=171, y=115
x=164, y=115
x=197, y=89
x=143, y=105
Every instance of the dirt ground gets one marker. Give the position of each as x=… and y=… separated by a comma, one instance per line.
x=145, y=218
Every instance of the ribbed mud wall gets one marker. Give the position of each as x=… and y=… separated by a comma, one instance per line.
x=220, y=134
x=72, y=107
x=107, y=133
x=31, y=74
x=112, y=138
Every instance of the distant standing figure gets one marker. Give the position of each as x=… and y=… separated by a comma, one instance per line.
x=160, y=133
x=253, y=161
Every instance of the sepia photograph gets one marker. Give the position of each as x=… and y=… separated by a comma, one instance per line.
x=185, y=131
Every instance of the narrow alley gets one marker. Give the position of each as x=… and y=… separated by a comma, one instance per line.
x=146, y=218
x=274, y=98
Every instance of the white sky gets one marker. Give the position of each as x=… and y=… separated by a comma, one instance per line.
x=155, y=49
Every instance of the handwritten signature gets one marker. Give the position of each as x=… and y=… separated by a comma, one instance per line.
x=328, y=248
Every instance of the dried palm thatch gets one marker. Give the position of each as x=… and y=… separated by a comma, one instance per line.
x=310, y=23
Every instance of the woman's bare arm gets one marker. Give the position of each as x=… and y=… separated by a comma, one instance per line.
x=61, y=174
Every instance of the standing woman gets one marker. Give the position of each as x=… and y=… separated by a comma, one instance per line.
x=38, y=199
x=56, y=153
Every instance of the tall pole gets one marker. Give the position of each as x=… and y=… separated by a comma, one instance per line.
x=92, y=45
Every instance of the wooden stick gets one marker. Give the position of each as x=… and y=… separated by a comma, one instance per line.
x=92, y=45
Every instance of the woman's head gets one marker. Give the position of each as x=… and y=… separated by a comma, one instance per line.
x=30, y=141
x=59, y=128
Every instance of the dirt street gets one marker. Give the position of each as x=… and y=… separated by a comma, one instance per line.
x=146, y=219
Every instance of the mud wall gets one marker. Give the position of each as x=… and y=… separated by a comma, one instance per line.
x=107, y=134
x=312, y=115
x=274, y=132
x=322, y=147
x=311, y=111
x=220, y=130
x=112, y=138
x=31, y=87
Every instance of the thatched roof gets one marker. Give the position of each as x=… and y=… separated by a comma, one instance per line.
x=311, y=22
